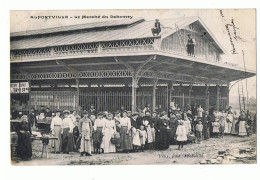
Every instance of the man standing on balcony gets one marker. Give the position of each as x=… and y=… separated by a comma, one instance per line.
x=190, y=45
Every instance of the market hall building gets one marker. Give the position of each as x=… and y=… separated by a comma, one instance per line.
x=120, y=62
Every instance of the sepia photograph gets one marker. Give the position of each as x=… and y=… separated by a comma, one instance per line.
x=133, y=87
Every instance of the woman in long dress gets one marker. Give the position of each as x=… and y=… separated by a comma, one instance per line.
x=56, y=131
x=24, y=148
x=242, y=125
x=234, y=130
x=162, y=136
x=109, y=131
x=67, y=133
x=228, y=123
x=126, y=140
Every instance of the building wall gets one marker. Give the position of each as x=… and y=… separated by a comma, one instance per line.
x=204, y=49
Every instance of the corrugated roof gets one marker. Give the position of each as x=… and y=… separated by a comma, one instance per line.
x=142, y=29
x=86, y=26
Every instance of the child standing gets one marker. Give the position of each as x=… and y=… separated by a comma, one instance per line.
x=215, y=130
x=222, y=120
x=143, y=137
x=199, y=128
x=136, y=139
x=181, y=135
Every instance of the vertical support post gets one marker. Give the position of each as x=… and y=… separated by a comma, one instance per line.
x=217, y=100
x=77, y=95
x=228, y=94
x=134, y=86
x=206, y=97
x=154, y=93
x=29, y=94
x=98, y=97
x=170, y=86
x=190, y=91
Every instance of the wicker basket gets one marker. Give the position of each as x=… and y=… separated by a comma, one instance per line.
x=115, y=141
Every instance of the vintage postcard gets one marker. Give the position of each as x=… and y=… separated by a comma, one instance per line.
x=133, y=87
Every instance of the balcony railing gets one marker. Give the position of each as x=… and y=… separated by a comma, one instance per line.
x=122, y=46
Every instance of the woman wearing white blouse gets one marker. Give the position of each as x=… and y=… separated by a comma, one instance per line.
x=126, y=141
x=109, y=131
x=67, y=130
x=56, y=131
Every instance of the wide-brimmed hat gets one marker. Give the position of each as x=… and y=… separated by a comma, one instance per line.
x=135, y=114
x=66, y=112
x=85, y=112
x=100, y=114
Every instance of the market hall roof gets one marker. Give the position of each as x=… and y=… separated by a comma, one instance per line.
x=114, y=31
x=105, y=31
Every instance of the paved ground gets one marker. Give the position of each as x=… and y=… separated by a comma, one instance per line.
x=191, y=154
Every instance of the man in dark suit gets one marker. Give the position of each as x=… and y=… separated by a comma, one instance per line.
x=32, y=119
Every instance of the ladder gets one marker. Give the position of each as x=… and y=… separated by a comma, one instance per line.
x=181, y=38
x=241, y=96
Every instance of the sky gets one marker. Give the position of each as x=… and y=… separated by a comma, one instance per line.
x=215, y=20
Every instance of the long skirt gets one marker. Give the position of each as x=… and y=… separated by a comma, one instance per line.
x=205, y=131
x=108, y=146
x=126, y=140
x=24, y=148
x=67, y=141
x=242, y=128
x=98, y=137
x=85, y=144
x=234, y=129
x=57, y=134
x=228, y=126
x=149, y=135
x=162, y=139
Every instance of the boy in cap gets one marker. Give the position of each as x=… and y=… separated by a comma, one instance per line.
x=199, y=128
x=85, y=131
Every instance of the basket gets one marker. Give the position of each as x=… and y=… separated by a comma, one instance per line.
x=115, y=141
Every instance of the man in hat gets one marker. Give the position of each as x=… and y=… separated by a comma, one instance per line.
x=85, y=131
x=75, y=120
x=92, y=110
x=67, y=133
x=191, y=45
x=42, y=110
x=122, y=109
x=157, y=28
x=48, y=113
x=129, y=114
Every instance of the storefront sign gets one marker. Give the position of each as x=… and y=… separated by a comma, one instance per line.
x=15, y=88
x=22, y=87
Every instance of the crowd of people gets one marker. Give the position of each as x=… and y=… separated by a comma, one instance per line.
x=103, y=132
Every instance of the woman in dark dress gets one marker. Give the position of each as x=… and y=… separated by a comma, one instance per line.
x=162, y=139
x=24, y=147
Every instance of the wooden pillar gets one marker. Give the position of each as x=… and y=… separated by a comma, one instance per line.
x=217, y=99
x=29, y=94
x=77, y=95
x=206, y=97
x=154, y=93
x=190, y=92
x=134, y=86
x=228, y=94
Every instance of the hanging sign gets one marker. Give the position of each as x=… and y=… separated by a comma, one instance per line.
x=15, y=88
x=22, y=87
